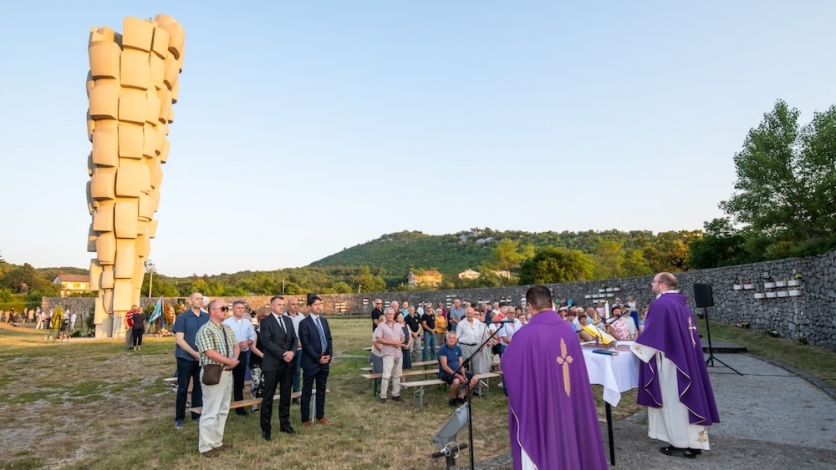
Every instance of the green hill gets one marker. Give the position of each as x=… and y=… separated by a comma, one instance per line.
x=397, y=253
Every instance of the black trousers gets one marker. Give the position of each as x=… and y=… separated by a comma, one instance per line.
x=283, y=380
x=320, y=374
x=187, y=371
x=238, y=376
x=136, y=336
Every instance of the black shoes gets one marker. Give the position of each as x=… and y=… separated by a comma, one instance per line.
x=397, y=398
x=241, y=412
x=687, y=453
x=296, y=401
x=287, y=429
x=453, y=402
x=265, y=436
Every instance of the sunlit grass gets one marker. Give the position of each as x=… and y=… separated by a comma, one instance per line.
x=93, y=404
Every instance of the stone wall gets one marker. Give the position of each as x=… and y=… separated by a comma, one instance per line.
x=811, y=315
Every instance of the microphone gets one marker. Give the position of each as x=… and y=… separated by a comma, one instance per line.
x=501, y=321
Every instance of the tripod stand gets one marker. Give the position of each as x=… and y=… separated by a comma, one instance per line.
x=469, y=395
x=710, y=361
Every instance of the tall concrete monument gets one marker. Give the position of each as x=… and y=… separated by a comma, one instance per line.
x=132, y=85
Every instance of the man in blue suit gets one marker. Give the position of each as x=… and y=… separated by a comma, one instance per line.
x=317, y=348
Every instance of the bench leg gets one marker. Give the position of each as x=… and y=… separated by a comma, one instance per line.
x=487, y=387
x=418, y=396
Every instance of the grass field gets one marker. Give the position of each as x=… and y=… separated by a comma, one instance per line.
x=93, y=404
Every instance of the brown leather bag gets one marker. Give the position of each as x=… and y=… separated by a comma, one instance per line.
x=212, y=372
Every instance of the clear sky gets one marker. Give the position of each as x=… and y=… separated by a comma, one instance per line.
x=307, y=127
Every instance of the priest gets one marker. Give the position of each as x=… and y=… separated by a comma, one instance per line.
x=673, y=379
x=552, y=419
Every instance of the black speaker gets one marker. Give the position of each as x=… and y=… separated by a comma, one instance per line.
x=703, y=295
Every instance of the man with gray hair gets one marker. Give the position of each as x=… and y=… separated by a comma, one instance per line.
x=389, y=336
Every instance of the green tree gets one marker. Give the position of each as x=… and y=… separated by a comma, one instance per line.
x=342, y=288
x=786, y=183
x=367, y=281
x=608, y=259
x=22, y=279
x=722, y=245
x=553, y=264
x=505, y=256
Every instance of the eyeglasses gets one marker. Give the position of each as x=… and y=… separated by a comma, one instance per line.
x=222, y=309
x=655, y=282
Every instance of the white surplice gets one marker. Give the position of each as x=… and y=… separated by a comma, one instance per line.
x=670, y=422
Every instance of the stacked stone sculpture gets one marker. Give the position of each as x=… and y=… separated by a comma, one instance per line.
x=132, y=85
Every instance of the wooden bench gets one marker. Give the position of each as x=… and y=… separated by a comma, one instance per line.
x=424, y=363
x=375, y=378
x=414, y=364
x=420, y=386
x=257, y=401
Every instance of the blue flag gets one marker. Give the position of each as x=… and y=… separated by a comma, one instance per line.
x=158, y=310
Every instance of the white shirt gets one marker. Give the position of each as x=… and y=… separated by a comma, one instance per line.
x=242, y=328
x=296, y=319
x=470, y=333
x=279, y=319
x=508, y=330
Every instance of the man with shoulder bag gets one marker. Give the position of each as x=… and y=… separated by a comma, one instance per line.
x=218, y=356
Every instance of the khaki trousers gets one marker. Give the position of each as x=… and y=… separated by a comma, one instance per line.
x=215, y=410
x=392, y=369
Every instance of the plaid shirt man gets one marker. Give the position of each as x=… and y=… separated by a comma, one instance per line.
x=211, y=336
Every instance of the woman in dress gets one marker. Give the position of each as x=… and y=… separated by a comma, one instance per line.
x=257, y=385
x=407, y=341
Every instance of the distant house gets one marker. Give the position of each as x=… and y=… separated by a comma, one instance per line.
x=505, y=274
x=469, y=274
x=72, y=283
x=423, y=278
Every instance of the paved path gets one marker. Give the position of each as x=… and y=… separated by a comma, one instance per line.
x=771, y=419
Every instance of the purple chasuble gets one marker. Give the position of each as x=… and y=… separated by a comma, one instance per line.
x=551, y=412
x=670, y=327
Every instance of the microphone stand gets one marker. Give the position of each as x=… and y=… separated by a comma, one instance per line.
x=469, y=395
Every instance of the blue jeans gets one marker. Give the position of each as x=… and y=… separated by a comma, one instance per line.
x=297, y=369
x=429, y=342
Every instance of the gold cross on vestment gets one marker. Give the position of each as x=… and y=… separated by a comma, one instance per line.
x=564, y=360
x=691, y=326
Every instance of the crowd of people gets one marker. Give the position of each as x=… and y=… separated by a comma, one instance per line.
x=283, y=351
x=60, y=322
x=483, y=328
x=288, y=355
x=485, y=333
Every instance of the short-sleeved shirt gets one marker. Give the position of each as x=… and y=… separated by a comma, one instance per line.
x=456, y=314
x=440, y=324
x=376, y=315
x=213, y=336
x=296, y=319
x=412, y=323
x=430, y=319
x=139, y=321
x=188, y=323
x=243, y=329
x=453, y=355
x=393, y=333
x=508, y=330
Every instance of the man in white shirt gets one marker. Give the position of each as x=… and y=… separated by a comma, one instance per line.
x=508, y=329
x=471, y=332
x=296, y=318
x=244, y=337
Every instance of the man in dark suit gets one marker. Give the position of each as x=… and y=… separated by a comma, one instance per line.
x=278, y=343
x=317, y=348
